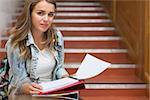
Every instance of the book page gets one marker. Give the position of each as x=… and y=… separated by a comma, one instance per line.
x=90, y=67
x=57, y=84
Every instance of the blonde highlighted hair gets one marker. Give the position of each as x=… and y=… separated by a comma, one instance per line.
x=23, y=26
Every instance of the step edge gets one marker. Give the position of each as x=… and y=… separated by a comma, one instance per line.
x=79, y=38
x=88, y=50
x=96, y=51
x=115, y=86
x=76, y=65
x=80, y=8
x=82, y=21
x=86, y=28
x=89, y=38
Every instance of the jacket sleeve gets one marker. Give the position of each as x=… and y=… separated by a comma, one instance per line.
x=61, y=70
x=17, y=71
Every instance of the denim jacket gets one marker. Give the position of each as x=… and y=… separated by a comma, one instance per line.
x=22, y=71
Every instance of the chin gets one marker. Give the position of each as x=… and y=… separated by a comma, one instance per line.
x=44, y=30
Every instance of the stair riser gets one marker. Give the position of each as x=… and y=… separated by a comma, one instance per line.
x=110, y=71
x=79, y=6
x=77, y=0
x=80, y=11
x=84, y=44
x=70, y=11
x=101, y=11
x=110, y=57
x=114, y=92
x=78, y=57
x=81, y=17
x=111, y=97
x=75, y=17
x=79, y=24
x=88, y=33
x=92, y=44
x=84, y=24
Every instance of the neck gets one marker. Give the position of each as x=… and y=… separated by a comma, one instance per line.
x=37, y=36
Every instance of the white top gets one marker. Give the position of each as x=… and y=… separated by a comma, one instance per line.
x=45, y=66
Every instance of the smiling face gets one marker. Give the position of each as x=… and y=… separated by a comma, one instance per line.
x=42, y=16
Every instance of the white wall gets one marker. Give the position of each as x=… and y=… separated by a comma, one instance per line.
x=7, y=11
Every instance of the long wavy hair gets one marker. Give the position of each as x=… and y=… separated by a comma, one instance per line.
x=23, y=26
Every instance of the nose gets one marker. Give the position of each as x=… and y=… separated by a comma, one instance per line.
x=46, y=18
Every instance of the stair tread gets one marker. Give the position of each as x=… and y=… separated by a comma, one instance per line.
x=114, y=92
x=112, y=75
x=114, y=97
x=110, y=57
x=84, y=24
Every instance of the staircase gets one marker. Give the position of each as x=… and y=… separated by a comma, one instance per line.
x=87, y=28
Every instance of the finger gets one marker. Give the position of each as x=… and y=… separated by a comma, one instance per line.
x=34, y=92
x=37, y=86
x=34, y=89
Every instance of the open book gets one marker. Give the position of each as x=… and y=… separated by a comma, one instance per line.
x=90, y=67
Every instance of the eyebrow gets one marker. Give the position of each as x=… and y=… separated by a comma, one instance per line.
x=45, y=11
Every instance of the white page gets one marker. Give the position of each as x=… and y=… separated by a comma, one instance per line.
x=90, y=67
x=52, y=85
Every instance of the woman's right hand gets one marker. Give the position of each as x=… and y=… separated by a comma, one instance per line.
x=32, y=88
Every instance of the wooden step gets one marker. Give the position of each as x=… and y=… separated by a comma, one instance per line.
x=78, y=4
x=99, y=21
x=78, y=57
x=80, y=23
x=89, y=33
x=112, y=75
x=61, y=5
x=102, y=11
x=77, y=0
x=75, y=9
x=80, y=17
x=80, y=14
x=114, y=90
x=81, y=42
x=84, y=24
x=73, y=17
x=87, y=9
x=86, y=33
x=110, y=57
x=92, y=44
x=111, y=97
x=136, y=93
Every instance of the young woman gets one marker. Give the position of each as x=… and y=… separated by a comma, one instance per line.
x=35, y=48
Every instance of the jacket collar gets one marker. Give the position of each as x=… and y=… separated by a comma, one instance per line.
x=30, y=39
